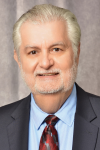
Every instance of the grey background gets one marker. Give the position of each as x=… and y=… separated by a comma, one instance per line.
x=87, y=12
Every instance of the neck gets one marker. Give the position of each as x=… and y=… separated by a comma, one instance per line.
x=51, y=103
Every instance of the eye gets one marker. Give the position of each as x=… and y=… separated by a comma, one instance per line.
x=33, y=52
x=56, y=49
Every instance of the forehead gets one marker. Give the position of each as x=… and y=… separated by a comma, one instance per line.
x=55, y=31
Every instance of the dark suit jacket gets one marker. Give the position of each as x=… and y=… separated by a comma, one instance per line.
x=14, y=122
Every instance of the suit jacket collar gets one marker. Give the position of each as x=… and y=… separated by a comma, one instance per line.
x=85, y=133
x=18, y=128
x=84, y=107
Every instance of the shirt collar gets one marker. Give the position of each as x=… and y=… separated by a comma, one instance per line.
x=36, y=114
x=65, y=113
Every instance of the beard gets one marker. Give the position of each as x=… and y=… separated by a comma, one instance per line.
x=61, y=83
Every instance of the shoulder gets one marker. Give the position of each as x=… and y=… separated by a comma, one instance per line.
x=95, y=102
x=7, y=110
x=82, y=92
x=89, y=99
x=93, y=96
x=86, y=98
x=94, y=99
x=10, y=116
x=11, y=111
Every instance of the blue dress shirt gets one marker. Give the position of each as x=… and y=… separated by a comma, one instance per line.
x=64, y=126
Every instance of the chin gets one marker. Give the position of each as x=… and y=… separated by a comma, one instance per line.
x=48, y=90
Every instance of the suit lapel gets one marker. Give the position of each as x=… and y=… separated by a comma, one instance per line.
x=85, y=133
x=18, y=129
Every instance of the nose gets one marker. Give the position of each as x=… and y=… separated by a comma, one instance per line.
x=46, y=61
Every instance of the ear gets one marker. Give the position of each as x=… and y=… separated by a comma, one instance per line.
x=16, y=58
x=78, y=54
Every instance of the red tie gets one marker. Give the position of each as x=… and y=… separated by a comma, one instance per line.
x=49, y=138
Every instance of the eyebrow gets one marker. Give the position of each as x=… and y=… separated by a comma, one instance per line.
x=55, y=44
x=58, y=43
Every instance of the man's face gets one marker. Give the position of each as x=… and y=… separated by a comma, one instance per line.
x=46, y=57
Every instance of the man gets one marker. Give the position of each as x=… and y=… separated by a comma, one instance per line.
x=57, y=114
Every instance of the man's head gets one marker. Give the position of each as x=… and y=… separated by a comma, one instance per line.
x=47, y=13
x=46, y=39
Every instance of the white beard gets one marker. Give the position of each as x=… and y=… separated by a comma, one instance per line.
x=49, y=86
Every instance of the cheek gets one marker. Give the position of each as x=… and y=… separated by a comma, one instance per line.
x=29, y=65
x=64, y=63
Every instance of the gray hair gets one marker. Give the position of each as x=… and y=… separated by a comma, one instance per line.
x=46, y=13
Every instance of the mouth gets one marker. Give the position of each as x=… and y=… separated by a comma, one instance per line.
x=48, y=74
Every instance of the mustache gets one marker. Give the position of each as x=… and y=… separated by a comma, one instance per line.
x=47, y=71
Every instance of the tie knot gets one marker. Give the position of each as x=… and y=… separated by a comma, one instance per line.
x=51, y=119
